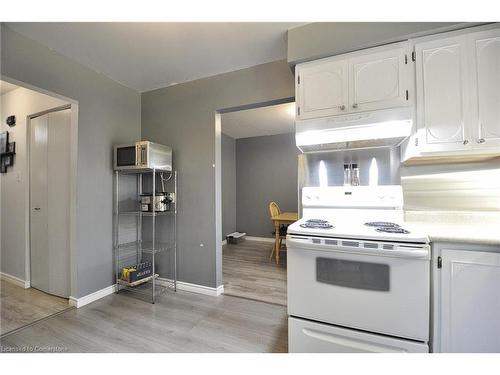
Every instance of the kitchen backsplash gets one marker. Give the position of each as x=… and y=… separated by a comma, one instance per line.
x=452, y=187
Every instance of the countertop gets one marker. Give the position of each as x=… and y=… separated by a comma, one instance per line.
x=463, y=227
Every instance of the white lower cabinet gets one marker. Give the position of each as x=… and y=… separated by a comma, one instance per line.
x=466, y=298
x=305, y=336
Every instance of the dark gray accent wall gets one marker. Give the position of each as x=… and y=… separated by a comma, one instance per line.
x=266, y=170
x=109, y=113
x=321, y=39
x=183, y=117
x=228, y=176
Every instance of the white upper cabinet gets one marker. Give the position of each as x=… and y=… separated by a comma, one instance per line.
x=486, y=64
x=378, y=80
x=458, y=96
x=441, y=86
x=321, y=89
x=368, y=80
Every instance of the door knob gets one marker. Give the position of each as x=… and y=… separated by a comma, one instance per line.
x=355, y=105
x=37, y=208
x=342, y=107
x=481, y=140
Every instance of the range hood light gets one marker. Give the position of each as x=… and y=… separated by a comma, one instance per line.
x=382, y=130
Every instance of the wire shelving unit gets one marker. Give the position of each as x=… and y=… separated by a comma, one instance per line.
x=131, y=225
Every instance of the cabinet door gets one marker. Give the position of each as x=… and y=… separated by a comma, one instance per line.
x=486, y=64
x=378, y=80
x=321, y=89
x=470, y=301
x=441, y=94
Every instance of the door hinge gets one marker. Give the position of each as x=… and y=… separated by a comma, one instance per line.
x=413, y=56
x=416, y=142
x=298, y=80
x=440, y=262
x=406, y=94
x=406, y=58
x=298, y=111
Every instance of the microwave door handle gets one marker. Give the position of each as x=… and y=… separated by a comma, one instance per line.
x=137, y=155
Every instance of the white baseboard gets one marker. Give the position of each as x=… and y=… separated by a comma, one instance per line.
x=181, y=285
x=196, y=288
x=15, y=280
x=261, y=239
x=85, y=300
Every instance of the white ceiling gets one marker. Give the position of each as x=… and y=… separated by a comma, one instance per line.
x=146, y=56
x=6, y=87
x=276, y=119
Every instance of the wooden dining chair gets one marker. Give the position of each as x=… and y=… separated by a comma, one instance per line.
x=274, y=210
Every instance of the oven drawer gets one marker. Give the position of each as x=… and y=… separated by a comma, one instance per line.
x=311, y=337
x=381, y=294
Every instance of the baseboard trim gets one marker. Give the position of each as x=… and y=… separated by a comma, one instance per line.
x=15, y=280
x=89, y=298
x=195, y=288
x=181, y=285
x=261, y=239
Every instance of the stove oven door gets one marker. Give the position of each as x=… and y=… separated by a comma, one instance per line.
x=345, y=283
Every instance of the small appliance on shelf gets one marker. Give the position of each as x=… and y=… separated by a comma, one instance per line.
x=142, y=155
x=162, y=202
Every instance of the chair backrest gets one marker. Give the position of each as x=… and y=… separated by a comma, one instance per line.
x=274, y=209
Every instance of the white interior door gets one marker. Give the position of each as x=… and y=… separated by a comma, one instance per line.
x=378, y=80
x=49, y=202
x=322, y=89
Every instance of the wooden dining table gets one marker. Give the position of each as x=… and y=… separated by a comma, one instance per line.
x=283, y=218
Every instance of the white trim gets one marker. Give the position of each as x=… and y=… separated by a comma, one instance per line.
x=85, y=300
x=195, y=288
x=15, y=280
x=261, y=239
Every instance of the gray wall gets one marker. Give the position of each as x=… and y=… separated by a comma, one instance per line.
x=228, y=176
x=322, y=39
x=108, y=114
x=183, y=116
x=266, y=170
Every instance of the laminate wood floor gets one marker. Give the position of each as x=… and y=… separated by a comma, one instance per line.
x=178, y=322
x=249, y=272
x=19, y=306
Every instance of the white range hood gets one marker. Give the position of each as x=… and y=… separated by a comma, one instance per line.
x=385, y=128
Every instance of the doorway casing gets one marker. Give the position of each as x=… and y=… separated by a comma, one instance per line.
x=73, y=105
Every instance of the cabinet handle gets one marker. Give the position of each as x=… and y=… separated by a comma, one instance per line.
x=481, y=140
x=342, y=107
x=465, y=141
x=355, y=105
x=37, y=208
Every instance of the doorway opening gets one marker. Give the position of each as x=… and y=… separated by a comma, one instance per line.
x=258, y=166
x=38, y=200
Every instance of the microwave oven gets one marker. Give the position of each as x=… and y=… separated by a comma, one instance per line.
x=142, y=155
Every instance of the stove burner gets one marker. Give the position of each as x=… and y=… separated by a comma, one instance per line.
x=392, y=230
x=317, y=221
x=317, y=224
x=382, y=224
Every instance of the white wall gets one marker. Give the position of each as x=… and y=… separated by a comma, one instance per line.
x=14, y=241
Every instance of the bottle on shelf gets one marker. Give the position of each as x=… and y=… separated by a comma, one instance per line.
x=347, y=175
x=355, y=175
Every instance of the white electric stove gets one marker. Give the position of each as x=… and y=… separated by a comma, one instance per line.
x=358, y=276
